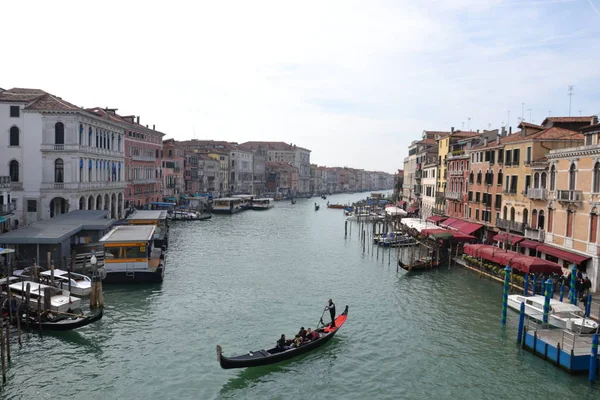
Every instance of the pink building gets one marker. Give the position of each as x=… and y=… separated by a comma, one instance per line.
x=173, y=169
x=143, y=147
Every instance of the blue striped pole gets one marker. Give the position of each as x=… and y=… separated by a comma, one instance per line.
x=526, y=285
x=534, y=285
x=588, y=306
x=562, y=291
x=573, y=288
x=594, y=359
x=505, y=294
x=521, y=323
x=547, y=301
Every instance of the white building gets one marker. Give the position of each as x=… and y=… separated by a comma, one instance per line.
x=6, y=206
x=59, y=157
x=428, y=183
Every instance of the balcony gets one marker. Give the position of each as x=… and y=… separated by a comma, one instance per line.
x=6, y=209
x=510, y=225
x=457, y=173
x=143, y=158
x=569, y=196
x=454, y=195
x=76, y=148
x=535, y=234
x=537, y=194
x=82, y=186
x=16, y=185
x=4, y=182
x=143, y=181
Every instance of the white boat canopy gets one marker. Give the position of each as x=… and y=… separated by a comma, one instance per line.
x=419, y=224
x=395, y=211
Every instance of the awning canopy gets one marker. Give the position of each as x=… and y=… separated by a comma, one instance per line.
x=468, y=227
x=448, y=222
x=511, y=239
x=529, y=244
x=436, y=218
x=462, y=237
x=562, y=254
x=525, y=264
x=439, y=234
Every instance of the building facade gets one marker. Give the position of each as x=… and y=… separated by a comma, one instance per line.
x=173, y=158
x=59, y=157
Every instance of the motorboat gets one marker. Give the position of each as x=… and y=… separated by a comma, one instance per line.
x=561, y=315
x=60, y=300
x=263, y=204
x=395, y=240
x=81, y=285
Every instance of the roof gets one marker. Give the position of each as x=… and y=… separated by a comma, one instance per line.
x=530, y=125
x=56, y=230
x=550, y=133
x=21, y=95
x=567, y=119
x=129, y=233
x=148, y=214
x=277, y=146
x=111, y=115
x=590, y=128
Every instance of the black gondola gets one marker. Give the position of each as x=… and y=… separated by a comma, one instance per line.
x=317, y=207
x=274, y=355
x=60, y=322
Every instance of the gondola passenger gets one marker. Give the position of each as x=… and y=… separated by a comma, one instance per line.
x=282, y=344
x=302, y=333
x=311, y=335
x=297, y=341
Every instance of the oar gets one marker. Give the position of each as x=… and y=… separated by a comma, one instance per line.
x=321, y=319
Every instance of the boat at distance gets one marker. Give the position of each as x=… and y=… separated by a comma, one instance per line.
x=336, y=206
x=274, y=355
x=561, y=315
x=59, y=322
x=227, y=205
x=420, y=264
x=263, y=204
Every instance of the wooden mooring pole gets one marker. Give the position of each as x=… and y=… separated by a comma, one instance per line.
x=3, y=351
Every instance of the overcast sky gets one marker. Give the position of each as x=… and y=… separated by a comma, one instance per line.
x=355, y=82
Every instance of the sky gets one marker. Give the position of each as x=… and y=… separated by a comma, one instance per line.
x=353, y=81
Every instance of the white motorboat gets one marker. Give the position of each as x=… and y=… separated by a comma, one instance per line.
x=562, y=315
x=263, y=204
x=81, y=285
x=60, y=300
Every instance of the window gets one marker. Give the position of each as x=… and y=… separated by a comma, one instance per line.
x=479, y=178
x=14, y=111
x=516, y=156
x=570, y=219
x=514, y=183
x=588, y=140
x=13, y=168
x=550, y=220
x=508, y=157
x=596, y=178
x=572, y=176
x=527, y=183
x=594, y=225
x=500, y=156
x=59, y=170
x=552, y=180
x=528, y=157
x=505, y=213
x=477, y=215
x=477, y=197
x=31, y=206
x=534, y=216
x=540, y=219
x=470, y=198
x=471, y=178
x=14, y=136
x=59, y=133
x=512, y=213
x=500, y=177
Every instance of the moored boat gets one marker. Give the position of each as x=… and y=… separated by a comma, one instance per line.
x=336, y=206
x=227, y=205
x=561, y=315
x=275, y=354
x=246, y=200
x=317, y=207
x=80, y=285
x=50, y=298
x=419, y=264
x=57, y=323
x=263, y=204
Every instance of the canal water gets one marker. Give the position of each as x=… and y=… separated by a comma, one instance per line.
x=241, y=281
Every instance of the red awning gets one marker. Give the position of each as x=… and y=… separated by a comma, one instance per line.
x=456, y=225
x=526, y=264
x=529, y=244
x=473, y=249
x=448, y=222
x=529, y=265
x=468, y=228
x=511, y=239
x=562, y=254
x=436, y=218
x=462, y=237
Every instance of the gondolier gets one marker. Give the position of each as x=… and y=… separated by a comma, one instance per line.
x=331, y=308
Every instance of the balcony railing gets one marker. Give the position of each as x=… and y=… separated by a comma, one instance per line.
x=83, y=186
x=16, y=185
x=81, y=149
x=510, y=225
x=537, y=194
x=454, y=195
x=143, y=181
x=457, y=173
x=143, y=158
x=6, y=209
x=570, y=196
x=4, y=182
x=535, y=234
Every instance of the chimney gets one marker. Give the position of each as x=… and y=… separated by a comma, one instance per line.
x=451, y=129
x=510, y=130
x=594, y=120
x=153, y=127
x=498, y=139
x=503, y=131
x=485, y=141
x=137, y=120
x=477, y=130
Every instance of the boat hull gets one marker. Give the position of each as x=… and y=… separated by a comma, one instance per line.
x=136, y=277
x=233, y=211
x=264, y=357
x=64, y=325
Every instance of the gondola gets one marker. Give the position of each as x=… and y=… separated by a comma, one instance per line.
x=274, y=355
x=317, y=207
x=60, y=322
x=421, y=264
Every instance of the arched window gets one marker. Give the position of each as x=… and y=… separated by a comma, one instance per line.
x=570, y=220
x=536, y=180
x=534, y=216
x=553, y=178
x=541, y=221
x=90, y=136
x=59, y=133
x=596, y=178
x=594, y=225
x=59, y=171
x=505, y=213
x=119, y=149
x=14, y=136
x=572, y=177
x=525, y=216
x=491, y=181
x=500, y=177
x=471, y=178
x=80, y=134
x=97, y=138
x=13, y=170
x=479, y=177
x=543, y=181
x=512, y=213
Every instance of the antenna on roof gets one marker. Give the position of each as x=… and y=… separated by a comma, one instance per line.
x=570, y=89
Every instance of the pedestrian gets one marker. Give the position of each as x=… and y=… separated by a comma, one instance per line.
x=331, y=308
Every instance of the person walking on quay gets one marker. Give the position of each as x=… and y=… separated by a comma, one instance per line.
x=331, y=308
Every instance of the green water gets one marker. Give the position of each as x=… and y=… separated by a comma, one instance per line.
x=241, y=281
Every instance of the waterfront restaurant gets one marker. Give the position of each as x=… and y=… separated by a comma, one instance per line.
x=58, y=236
